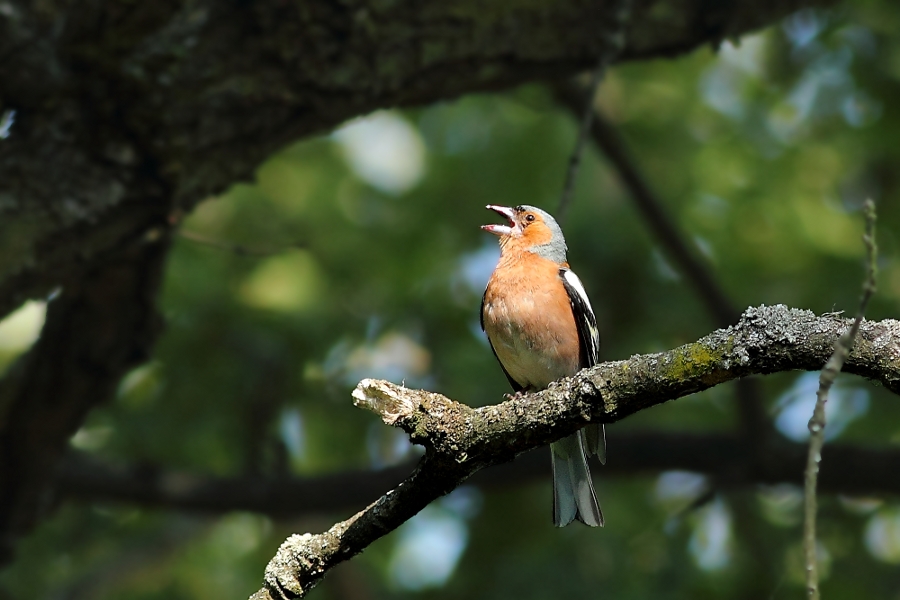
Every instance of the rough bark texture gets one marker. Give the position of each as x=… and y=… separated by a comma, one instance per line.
x=136, y=108
x=129, y=113
x=460, y=440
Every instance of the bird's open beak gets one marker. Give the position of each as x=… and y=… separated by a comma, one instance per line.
x=501, y=229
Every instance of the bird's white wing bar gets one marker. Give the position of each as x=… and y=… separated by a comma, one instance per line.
x=588, y=332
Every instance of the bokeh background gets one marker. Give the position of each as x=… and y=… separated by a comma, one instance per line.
x=359, y=254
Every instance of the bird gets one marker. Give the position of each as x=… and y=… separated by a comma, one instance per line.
x=541, y=327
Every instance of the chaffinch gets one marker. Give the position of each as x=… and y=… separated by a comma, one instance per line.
x=541, y=328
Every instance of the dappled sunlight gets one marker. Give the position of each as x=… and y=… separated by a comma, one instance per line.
x=430, y=544
x=20, y=329
x=91, y=437
x=393, y=356
x=475, y=268
x=711, y=541
x=384, y=150
x=238, y=534
x=795, y=564
x=781, y=505
x=861, y=506
x=388, y=446
x=428, y=548
x=723, y=84
x=803, y=27
x=288, y=283
x=882, y=535
x=141, y=385
x=7, y=118
x=847, y=402
x=675, y=491
x=214, y=214
x=291, y=431
x=288, y=182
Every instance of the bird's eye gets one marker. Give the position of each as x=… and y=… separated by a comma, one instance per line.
x=529, y=218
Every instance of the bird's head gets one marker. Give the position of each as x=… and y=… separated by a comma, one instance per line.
x=530, y=229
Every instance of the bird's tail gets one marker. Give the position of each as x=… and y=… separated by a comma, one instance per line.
x=573, y=492
x=595, y=441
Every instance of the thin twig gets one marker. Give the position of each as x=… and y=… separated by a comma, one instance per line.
x=620, y=16
x=651, y=208
x=817, y=421
x=238, y=249
x=702, y=279
x=587, y=115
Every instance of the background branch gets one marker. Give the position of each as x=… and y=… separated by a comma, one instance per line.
x=852, y=470
x=651, y=208
x=619, y=15
x=753, y=423
x=237, y=249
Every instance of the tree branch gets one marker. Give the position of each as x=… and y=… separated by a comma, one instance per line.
x=851, y=470
x=460, y=440
x=93, y=334
x=620, y=14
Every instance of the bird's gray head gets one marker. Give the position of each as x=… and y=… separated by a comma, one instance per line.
x=530, y=229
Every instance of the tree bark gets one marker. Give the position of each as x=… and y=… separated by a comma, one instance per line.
x=125, y=111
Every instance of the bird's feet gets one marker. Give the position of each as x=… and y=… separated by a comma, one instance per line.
x=515, y=396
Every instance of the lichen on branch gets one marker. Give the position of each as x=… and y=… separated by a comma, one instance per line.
x=460, y=440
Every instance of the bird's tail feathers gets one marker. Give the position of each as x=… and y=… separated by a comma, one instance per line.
x=573, y=492
x=595, y=441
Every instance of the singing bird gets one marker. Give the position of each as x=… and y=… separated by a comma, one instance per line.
x=541, y=327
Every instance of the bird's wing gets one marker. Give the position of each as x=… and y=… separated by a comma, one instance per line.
x=515, y=386
x=589, y=340
x=588, y=333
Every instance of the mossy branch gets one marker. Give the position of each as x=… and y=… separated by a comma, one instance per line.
x=460, y=440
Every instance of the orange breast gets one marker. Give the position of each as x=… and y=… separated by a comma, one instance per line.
x=529, y=321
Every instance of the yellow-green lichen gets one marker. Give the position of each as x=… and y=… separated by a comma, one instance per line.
x=696, y=361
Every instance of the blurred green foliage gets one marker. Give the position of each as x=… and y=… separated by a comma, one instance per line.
x=368, y=262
